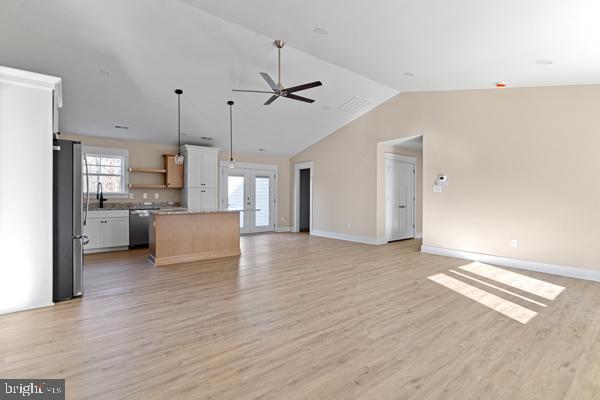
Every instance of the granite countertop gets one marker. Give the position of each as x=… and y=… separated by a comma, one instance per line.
x=134, y=206
x=178, y=211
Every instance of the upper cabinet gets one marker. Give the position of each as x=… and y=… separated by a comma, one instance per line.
x=174, y=172
x=200, y=172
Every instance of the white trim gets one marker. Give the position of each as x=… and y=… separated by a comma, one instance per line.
x=407, y=160
x=245, y=165
x=297, y=168
x=419, y=235
x=189, y=147
x=283, y=229
x=349, y=238
x=571, y=272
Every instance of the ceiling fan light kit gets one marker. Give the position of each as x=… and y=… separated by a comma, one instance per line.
x=277, y=89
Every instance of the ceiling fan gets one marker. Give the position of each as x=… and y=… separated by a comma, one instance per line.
x=277, y=89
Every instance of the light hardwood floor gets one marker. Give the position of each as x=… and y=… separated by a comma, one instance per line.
x=300, y=317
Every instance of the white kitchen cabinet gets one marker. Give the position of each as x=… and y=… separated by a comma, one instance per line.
x=115, y=232
x=201, y=177
x=107, y=230
x=210, y=169
x=93, y=230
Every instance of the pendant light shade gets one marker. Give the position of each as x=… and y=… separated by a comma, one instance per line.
x=179, y=156
x=231, y=162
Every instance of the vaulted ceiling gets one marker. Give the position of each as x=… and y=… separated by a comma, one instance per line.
x=120, y=60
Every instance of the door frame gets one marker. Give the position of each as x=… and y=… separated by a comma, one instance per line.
x=297, y=168
x=224, y=166
x=407, y=160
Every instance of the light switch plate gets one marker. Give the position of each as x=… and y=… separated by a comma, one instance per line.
x=437, y=189
x=156, y=195
x=514, y=243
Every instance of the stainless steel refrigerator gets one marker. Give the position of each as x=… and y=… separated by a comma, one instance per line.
x=69, y=213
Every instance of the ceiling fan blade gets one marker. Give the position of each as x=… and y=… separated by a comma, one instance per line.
x=296, y=97
x=271, y=99
x=302, y=87
x=270, y=81
x=251, y=91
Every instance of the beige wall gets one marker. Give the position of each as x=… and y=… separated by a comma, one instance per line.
x=143, y=154
x=383, y=148
x=522, y=164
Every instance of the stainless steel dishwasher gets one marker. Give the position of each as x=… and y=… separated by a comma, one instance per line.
x=139, y=221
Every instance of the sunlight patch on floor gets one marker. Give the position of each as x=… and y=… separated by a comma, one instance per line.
x=523, y=282
x=508, y=308
x=498, y=288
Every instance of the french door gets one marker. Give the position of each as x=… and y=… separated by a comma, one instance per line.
x=252, y=192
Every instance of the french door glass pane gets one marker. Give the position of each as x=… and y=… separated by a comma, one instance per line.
x=235, y=195
x=261, y=201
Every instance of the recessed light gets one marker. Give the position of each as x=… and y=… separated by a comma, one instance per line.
x=262, y=149
x=320, y=31
x=544, y=62
x=206, y=138
x=409, y=74
x=121, y=127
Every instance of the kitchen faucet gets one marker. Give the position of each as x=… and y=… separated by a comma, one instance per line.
x=99, y=195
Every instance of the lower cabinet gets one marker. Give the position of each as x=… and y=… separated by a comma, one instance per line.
x=202, y=199
x=107, y=229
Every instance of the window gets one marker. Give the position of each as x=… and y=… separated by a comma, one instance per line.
x=108, y=166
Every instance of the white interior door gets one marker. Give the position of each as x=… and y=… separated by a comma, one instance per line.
x=252, y=192
x=400, y=199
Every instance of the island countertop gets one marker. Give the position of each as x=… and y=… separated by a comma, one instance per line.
x=182, y=235
x=176, y=211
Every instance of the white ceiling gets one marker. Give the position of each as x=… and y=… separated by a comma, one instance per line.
x=208, y=47
x=121, y=61
x=447, y=45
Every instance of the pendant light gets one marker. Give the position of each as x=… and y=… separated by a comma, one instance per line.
x=179, y=156
x=231, y=162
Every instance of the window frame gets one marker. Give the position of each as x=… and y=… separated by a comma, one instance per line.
x=114, y=152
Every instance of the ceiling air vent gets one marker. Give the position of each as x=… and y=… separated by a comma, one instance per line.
x=355, y=104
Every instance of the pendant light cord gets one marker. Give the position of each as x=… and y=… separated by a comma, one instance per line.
x=230, y=130
x=178, y=124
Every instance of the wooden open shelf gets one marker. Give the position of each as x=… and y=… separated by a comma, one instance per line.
x=150, y=170
x=146, y=186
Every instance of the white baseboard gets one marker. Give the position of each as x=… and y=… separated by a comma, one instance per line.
x=283, y=229
x=349, y=238
x=105, y=249
x=571, y=272
x=419, y=235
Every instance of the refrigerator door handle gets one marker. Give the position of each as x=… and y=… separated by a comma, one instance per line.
x=87, y=191
x=77, y=266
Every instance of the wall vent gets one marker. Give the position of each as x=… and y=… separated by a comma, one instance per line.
x=355, y=104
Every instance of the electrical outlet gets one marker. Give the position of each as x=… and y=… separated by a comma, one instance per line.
x=282, y=219
x=349, y=224
x=514, y=243
x=131, y=195
x=145, y=196
x=156, y=195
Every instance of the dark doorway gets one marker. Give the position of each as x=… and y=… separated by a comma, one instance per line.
x=304, y=200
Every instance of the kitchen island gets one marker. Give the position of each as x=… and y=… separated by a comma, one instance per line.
x=178, y=236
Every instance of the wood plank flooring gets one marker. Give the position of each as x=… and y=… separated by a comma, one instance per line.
x=301, y=317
